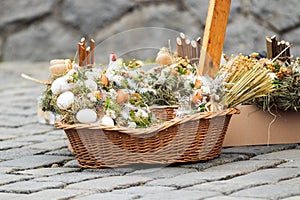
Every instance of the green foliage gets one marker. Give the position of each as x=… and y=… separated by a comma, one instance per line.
x=49, y=101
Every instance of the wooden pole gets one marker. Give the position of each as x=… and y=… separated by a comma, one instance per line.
x=214, y=35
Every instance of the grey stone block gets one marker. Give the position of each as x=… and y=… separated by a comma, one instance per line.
x=291, y=164
x=284, y=18
x=11, y=178
x=51, y=194
x=168, y=20
x=9, y=144
x=180, y=195
x=27, y=162
x=233, y=198
x=277, y=191
x=142, y=190
x=157, y=173
x=69, y=178
x=107, y=196
x=244, y=167
x=16, y=121
x=257, y=150
x=61, y=152
x=190, y=179
x=240, y=41
x=27, y=187
x=14, y=11
x=261, y=177
x=5, y=170
x=47, y=171
x=72, y=163
x=223, y=159
x=59, y=44
x=52, y=145
x=80, y=14
x=18, y=152
x=109, y=183
x=292, y=154
x=6, y=196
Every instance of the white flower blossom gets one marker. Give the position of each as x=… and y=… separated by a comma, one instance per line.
x=91, y=85
x=92, y=97
x=141, y=113
x=132, y=125
x=111, y=113
x=118, y=80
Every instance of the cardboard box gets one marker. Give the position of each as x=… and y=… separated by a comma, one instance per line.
x=251, y=128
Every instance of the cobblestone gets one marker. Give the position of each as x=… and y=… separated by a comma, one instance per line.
x=109, y=183
x=276, y=191
x=35, y=162
x=51, y=194
x=47, y=171
x=261, y=177
x=27, y=187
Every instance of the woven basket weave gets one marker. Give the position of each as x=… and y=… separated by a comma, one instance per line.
x=193, y=138
x=164, y=113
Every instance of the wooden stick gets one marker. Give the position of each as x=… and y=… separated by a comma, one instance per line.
x=179, y=47
x=269, y=47
x=214, y=35
x=274, y=46
x=194, y=57
x=182, y=37
x=92, y=51
x=188, y=48
x=83, y=55
x=198, y=47
x=88, y=56
x=80, y=61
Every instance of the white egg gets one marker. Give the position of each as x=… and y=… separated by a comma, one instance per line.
x=86, y=116
x=60, y=85
x=107, y=121
x=92, y=85
x=65, y=100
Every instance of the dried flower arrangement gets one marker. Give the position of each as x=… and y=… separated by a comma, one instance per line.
x=285, y=73
x=122, y=93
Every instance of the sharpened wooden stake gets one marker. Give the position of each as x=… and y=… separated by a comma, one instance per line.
x=214, y=35
x=182, y=37
x=92, y=51
x=179, y=47
x=194, y=51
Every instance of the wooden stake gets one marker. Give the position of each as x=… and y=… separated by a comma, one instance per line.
x=214, y=35
x=198, y=47
x=88, y=56
x=80, y=61
x=194, y=51
x=188, y=48
x=179, y=47
x=269, y=47
x=274, y=46
x=182, y=37
x=92, y=51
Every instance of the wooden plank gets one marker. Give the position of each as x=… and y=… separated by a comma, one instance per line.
x=214, y=35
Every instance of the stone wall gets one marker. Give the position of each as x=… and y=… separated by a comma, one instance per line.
x=39, y=30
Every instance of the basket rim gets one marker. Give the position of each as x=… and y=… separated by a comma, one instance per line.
x=159, y=127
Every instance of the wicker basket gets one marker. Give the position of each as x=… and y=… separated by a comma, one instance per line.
x=164, y=113
x=193, y=138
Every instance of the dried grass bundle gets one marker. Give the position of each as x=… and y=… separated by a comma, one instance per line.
x=247, y=80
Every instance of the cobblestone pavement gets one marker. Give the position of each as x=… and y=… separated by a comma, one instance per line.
x=36, y=164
